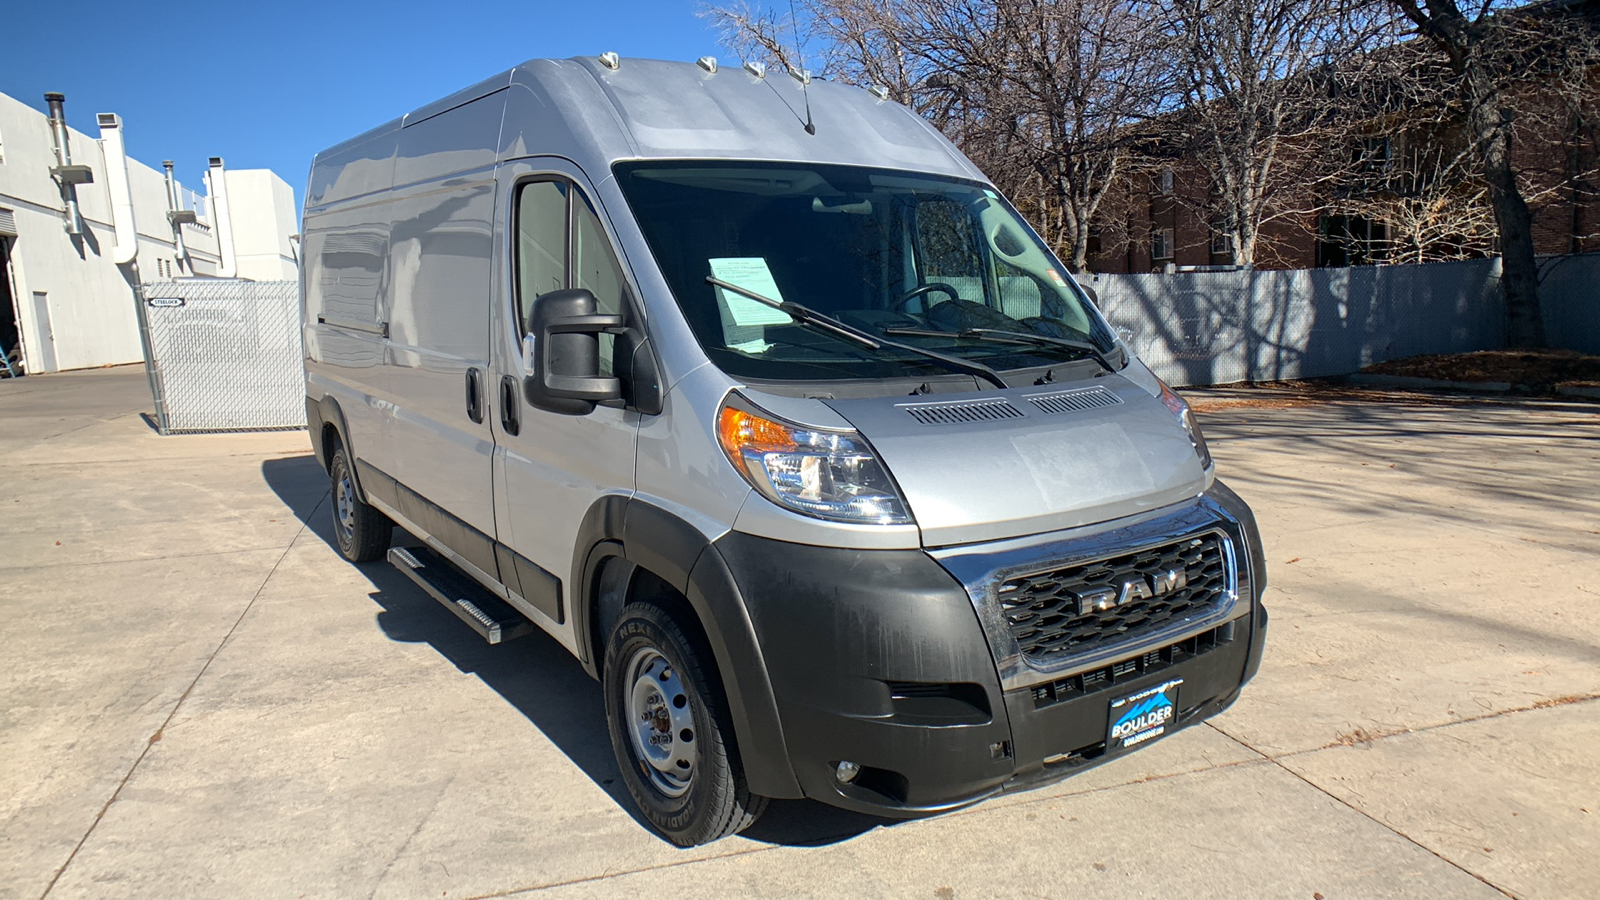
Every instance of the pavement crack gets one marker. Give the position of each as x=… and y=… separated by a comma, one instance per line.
x=512, y=892
x=1278, y=761
x=137, y=559
x=400, y=851
x=1360, y=736
x=161, y=731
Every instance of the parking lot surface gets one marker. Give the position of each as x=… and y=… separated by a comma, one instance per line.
x=201, y=699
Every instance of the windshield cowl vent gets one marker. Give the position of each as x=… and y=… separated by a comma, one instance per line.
x=962, y=412
x=1073, y=401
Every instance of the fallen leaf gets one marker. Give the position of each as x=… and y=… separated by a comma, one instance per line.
x=58, y=543
x=1295, y=560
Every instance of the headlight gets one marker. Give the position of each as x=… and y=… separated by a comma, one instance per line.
x=1180, y=408
x=827, y=474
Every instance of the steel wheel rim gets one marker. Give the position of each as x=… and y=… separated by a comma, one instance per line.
x=344, y=513
x=660, y=722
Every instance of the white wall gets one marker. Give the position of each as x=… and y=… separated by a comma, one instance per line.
x=88, y=309
x=261, y=209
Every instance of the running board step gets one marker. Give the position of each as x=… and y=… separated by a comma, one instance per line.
x=488, y=615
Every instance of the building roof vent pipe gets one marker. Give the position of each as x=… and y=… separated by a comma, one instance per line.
x=176, y=217
x=217, y=191
x=116, y=154
x=67, y=175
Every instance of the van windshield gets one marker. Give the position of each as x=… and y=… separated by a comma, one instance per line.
x=932, y=262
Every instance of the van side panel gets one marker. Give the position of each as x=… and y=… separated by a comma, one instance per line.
x=346, y=250
x=440, y=253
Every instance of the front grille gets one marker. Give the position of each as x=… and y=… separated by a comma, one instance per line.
x=1094, y=605
x=1074, y=686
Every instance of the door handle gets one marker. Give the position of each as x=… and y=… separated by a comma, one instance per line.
x=510, y=406
x=475, y=395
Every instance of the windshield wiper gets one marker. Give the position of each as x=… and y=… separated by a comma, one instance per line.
x=1000, y=335
x=808, y=316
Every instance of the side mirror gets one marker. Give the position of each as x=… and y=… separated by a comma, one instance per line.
x=1091, y=293
x=566, y=333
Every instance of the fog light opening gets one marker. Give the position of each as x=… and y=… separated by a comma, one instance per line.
x=846, y=771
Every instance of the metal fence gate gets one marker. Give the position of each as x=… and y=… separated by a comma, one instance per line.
x=225, y=355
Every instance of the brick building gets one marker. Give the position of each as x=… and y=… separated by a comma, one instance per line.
x=1396, y=202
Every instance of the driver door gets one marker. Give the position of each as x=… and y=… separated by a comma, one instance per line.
x=549, y=469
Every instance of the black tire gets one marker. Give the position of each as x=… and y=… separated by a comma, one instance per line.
x=708, y=799
x=362, y=533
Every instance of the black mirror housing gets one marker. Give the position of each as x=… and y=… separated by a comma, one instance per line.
x=566, y=333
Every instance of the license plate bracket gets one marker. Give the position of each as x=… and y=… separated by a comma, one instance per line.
x=1144, y=715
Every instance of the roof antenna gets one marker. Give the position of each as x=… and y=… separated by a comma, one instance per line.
x=803, y=76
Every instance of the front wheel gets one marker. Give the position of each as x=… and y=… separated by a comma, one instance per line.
x=670, y=730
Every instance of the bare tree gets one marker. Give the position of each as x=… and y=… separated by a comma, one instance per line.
x=1429, y=203
x=1038, y=92
x=1259, y=80
x=1491, y=48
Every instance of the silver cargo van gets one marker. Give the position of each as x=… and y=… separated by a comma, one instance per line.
x=756, y=395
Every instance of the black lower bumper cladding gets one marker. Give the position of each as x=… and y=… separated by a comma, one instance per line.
x=877, y=658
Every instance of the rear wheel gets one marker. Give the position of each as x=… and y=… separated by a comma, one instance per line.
x=670, y=729
x=362, y=532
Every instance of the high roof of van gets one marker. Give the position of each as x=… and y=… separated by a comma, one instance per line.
x=595, y=115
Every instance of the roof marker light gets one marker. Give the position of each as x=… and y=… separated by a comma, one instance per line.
x=611, y=60
x=709, y=63
x=756, y=70
x=801, y=75
x=879, y=91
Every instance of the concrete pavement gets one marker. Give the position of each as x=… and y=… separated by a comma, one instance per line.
x=202, y=699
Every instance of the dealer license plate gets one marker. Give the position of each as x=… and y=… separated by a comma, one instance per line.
x=1142, y=716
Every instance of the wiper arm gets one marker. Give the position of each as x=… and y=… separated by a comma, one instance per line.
x=802, y=313
x=808, y=316
x=1000, y=335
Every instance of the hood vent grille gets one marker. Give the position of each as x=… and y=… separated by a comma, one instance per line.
x=963, y=412
x=1073, y=401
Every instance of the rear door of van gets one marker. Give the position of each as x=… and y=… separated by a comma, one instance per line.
x=345, y=242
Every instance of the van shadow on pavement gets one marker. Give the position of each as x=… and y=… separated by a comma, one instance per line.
x=535, y=674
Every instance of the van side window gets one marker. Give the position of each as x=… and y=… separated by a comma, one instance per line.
x=596, y=265
x=541, y=242
x=545, y=243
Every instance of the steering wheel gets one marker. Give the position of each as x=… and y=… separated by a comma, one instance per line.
x=905, y=302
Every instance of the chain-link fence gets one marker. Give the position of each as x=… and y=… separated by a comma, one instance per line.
x=225, y=355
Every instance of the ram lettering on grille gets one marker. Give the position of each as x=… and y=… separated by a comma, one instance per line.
x=1092, y=605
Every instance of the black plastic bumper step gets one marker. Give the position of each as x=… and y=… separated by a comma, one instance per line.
x=488, y=615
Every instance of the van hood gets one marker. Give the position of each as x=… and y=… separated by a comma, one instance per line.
x=1022, y=461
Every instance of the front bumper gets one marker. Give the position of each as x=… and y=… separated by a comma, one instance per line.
x=894, y=660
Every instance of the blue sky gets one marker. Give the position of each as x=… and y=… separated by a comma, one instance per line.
x=268, y=84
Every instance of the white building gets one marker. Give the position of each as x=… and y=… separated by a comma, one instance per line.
x=79, y=229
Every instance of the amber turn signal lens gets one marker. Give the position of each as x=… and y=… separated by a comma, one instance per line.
x=740, y=431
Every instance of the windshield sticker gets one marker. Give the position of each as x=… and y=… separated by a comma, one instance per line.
x=1056, y=277
x=752, y=274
